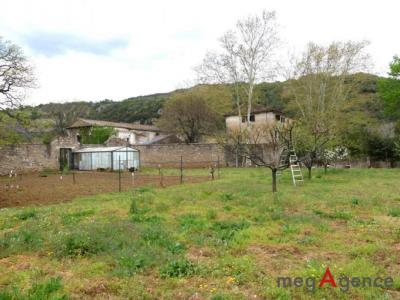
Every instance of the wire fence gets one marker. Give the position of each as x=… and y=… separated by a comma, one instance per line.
x=49, y=186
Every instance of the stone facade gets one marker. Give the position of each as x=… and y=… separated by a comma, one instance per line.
x=34, y=157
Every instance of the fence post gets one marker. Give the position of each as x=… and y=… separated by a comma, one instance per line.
x=218, y=166
x=161, y=175
x=119, y=173
x=181, y=169
x=73, y=177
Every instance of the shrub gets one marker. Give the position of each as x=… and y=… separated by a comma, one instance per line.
x=175, y=248
x=226, y=196
x=178, y=268
x=131, y=264
x=191, y=222
x=75, y=217
x=22, y=240
x=26, y=214
x=46, y=290
x=79, y=244
x=227, y=229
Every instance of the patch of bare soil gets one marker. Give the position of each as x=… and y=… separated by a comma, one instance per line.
x=31, y=189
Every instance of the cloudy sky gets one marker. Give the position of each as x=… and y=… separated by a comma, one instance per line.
x=92, y=50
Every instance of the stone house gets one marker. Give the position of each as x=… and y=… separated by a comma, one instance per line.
x=259, y=119
x=128, y=133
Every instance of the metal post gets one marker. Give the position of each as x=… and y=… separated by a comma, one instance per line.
x=119, y=173
x=181, y=169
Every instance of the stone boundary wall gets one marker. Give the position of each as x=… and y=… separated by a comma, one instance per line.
x=26, y=158
x=35, y=157
x=193, y=155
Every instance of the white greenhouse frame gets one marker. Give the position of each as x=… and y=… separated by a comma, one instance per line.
x=112, y=158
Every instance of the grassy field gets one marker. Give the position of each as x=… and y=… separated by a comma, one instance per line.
x=224, y=239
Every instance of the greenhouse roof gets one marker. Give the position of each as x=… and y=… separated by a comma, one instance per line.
x=104, y=149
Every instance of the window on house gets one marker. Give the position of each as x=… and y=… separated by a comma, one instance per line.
x=278, y=117
x=244, y=118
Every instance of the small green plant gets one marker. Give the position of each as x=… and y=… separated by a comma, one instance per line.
x=178, y=268
x=131, y=264
x=289, y=229
x=355, y=201
x=226, y=230
x=211, y=214
x=394, y=212
x=191, y=222
x=78, y=244
x=47, y=290
x=26, y=214
x=75, y=217
x=226, y=196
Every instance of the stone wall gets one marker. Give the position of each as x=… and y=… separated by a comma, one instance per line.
x=25, y=158
x=170, y=154
x=34, y=157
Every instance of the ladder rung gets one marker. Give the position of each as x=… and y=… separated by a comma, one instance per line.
x=297, y=175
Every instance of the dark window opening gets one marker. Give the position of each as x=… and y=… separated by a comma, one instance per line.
x=278, y=117
x=252, y=118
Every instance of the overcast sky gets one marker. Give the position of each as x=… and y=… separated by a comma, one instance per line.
x=92, y=50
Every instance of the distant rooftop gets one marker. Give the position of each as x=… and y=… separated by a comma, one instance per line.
x=88, y=123
x=258, y=110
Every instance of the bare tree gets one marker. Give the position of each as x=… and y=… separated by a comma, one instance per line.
x=317, y=82
x=244, y=58
x=265, y=146
x=15, y=75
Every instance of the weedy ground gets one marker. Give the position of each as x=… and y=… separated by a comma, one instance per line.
x=224, y=239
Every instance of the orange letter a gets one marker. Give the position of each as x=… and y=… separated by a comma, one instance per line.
x=327, y=278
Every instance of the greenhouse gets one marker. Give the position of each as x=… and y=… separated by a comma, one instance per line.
x=106, y=158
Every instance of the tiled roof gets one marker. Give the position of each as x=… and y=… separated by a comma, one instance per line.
x=87, y=123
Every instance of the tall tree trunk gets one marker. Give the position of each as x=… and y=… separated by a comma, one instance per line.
x=325, y=168
x=309, y=171
x=274, y=180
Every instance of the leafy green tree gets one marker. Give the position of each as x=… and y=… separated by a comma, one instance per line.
x=95, y=135
x=188, y=115
x=389, y=89
x=317, y=82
